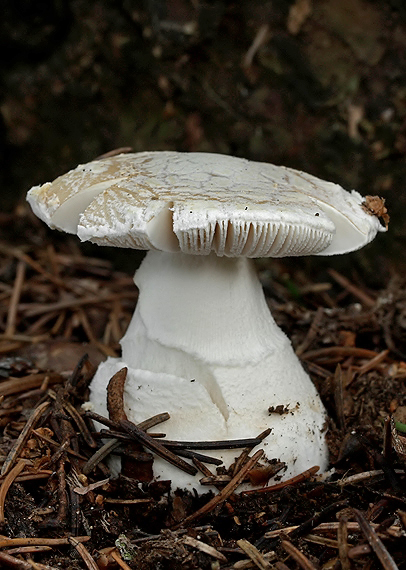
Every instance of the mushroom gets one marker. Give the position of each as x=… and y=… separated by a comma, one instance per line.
x=202, y=343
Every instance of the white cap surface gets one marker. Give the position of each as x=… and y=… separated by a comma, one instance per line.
x=200, y=202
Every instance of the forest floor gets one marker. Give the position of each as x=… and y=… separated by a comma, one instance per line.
x=59, y=506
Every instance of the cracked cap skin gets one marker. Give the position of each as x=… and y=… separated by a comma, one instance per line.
x=202, y=202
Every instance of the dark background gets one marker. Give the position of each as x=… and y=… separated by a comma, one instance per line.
x=318, y=85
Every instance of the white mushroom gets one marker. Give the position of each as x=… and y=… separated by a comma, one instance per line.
x=202, y=343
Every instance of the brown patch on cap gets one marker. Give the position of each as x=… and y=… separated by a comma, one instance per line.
x=375, y=206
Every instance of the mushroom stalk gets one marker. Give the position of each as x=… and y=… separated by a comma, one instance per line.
x=204, y=346
x=208, y=309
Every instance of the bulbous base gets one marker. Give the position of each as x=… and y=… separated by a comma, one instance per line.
x=297, y=436
x=203, y=346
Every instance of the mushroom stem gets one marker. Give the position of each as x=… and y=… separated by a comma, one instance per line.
x=212, y=309
x=204, y=346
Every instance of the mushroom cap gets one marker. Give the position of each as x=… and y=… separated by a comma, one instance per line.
x=201, y=202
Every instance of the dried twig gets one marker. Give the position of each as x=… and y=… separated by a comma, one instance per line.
x=293, y=481
x=123, y=437
x=261, y=37
x=42, y=474
x=222, y=444
x=40, y=309
x=375, y=542
x=154, y=421
x=358, y=477
x=226, y=492
x=189, y=454
x=281, y=565
x=58, y=453
x=394, y=531
x=217, y=480
x=28, y=549
x=100, y=454
x=373, y=363
x=149, y=442
x=128, y=501
x=116, y=556
x=312, y=332
x=339, y=396
x=53, y=443
x=203, y=547
x=84, y=553
x=359, y=550
x=23, y=437
x=242, y=458
x=7, y=482
x=26, y=259
x=339, y=351
x=254, y=554
x=115, y=396
x=324, y=541
x=342, y=539
x=298, y=556
x=17, y=385
x=78, y=419
x=353, y=289
x=15, y=297
x=84, y=490
x=115, y=152
x=316, y=519
x=102, y=420
x=31, y=541
x=62, y=494
x=104, y=349
x=8, y=561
